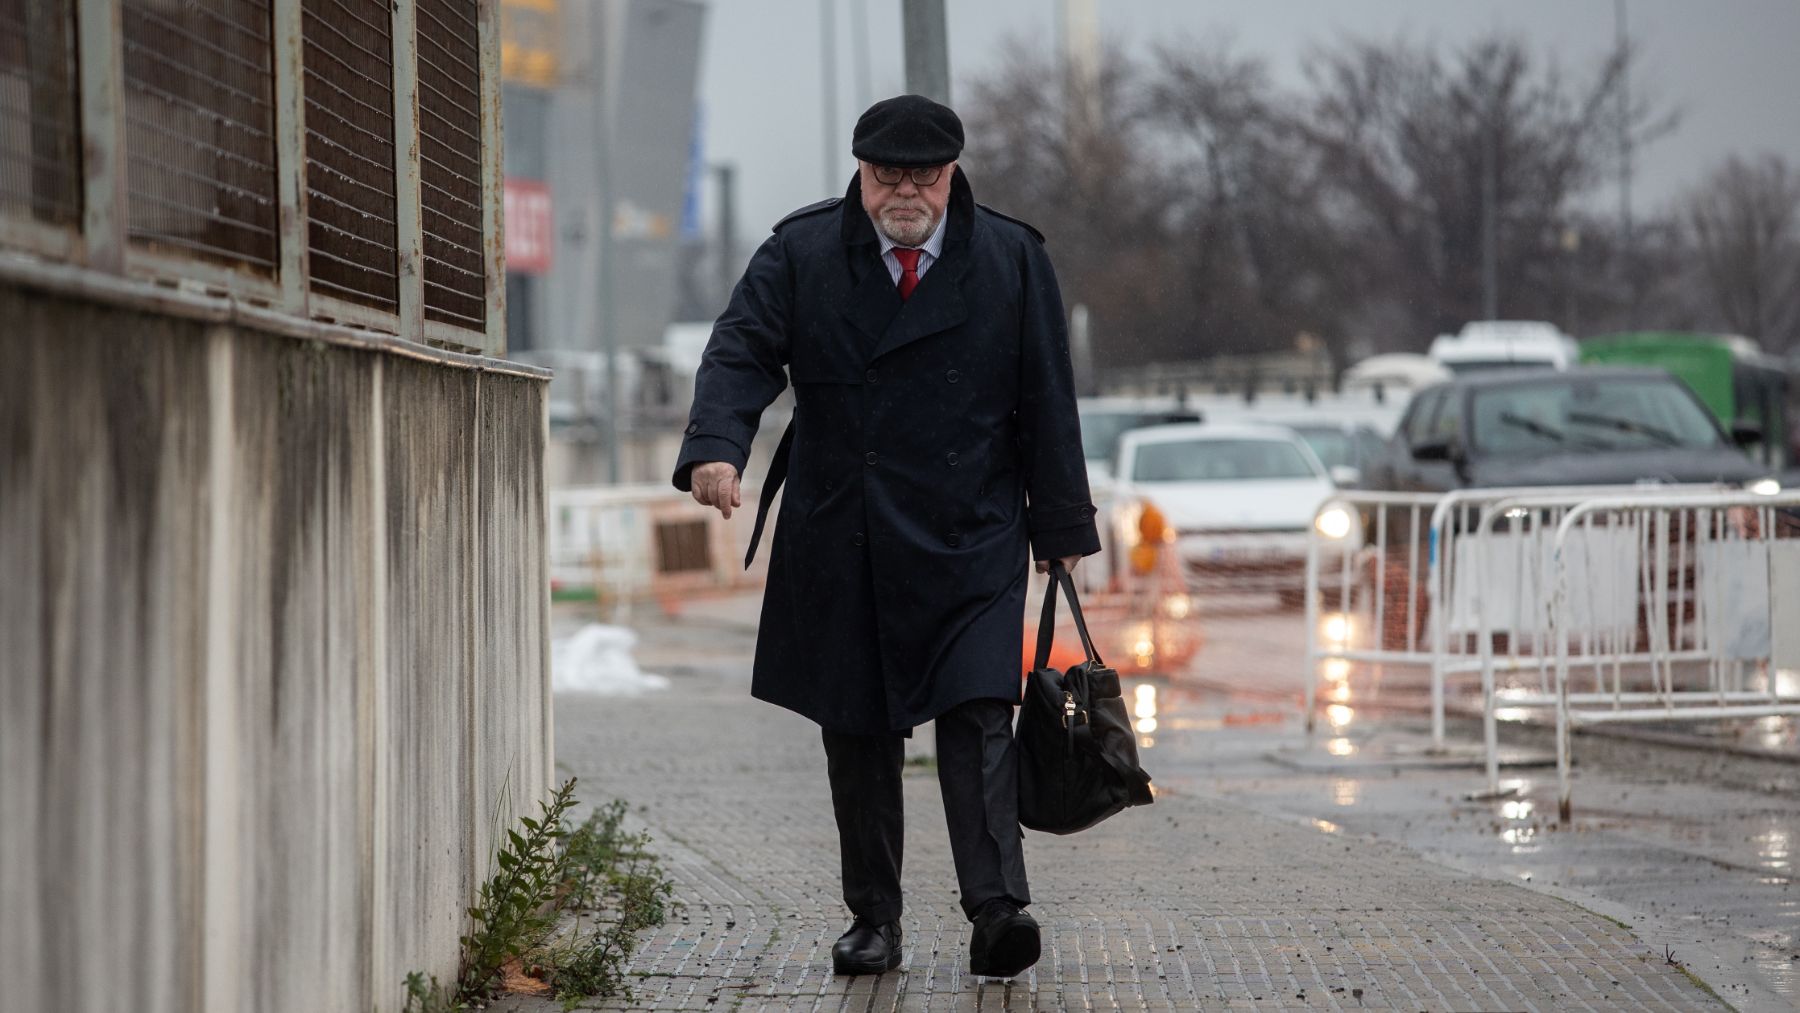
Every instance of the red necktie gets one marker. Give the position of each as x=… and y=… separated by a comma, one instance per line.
x=909, y=270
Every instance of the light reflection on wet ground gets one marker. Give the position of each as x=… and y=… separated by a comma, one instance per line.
x=1692, y=848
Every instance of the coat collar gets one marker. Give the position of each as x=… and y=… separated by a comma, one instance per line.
x=875, y=306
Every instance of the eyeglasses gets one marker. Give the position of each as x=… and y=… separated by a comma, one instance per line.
x=889, y=176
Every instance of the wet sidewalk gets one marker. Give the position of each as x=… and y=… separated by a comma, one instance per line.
x=1193, y=903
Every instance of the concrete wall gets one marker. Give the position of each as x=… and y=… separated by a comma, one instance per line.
x=272, y=659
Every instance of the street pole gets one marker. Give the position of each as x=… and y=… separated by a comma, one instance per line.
x=1081, y=68
x=727, y=174
x=1490, y=215
x=859, y=39
x=1630, y=240
x=829, y=88
x=1081, y=350
x=927, y=49
x=607, y=318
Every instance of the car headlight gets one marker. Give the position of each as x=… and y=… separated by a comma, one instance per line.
x=1333, y=522
x=1764, y=487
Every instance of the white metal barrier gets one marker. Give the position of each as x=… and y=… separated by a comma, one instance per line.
x=1392, y=555
x=647, y=541
x=1712, y=629
x=1400, y=596
x=1456, y=605
x=1507, y=601
x=1437, y=595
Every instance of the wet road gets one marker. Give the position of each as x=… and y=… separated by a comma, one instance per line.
x=1687, y=849
x=1691, y=848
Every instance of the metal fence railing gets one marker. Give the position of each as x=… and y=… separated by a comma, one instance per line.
x=40, y=165
x=1376, y=585
x=336, y=160
x=646, y=542
x=1693, y=623
x=1485, y=592
x=200, y=129
x=450, y=160
x=352, y=202
x=1660, y=604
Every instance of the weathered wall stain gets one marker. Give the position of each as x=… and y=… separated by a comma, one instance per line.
x=272, y=659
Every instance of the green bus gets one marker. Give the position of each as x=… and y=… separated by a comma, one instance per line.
x=1740, y=385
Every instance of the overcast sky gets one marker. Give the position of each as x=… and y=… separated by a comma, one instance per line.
x=1729, y=65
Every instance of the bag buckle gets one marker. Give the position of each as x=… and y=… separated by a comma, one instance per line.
x=1072, y=715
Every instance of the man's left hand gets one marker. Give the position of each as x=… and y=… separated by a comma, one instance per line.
x=1068, y=563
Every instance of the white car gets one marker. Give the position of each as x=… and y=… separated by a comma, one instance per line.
x=1238, y=500
x=1505, y=344
x=1105, y=419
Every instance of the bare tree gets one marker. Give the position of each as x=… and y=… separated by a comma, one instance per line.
x=1248, y=212
x=1417, y=144
x=1205, y=211
x=1745, y=229
x=1084, y=183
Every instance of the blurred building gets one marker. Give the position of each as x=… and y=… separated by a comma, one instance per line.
x=601, y=163
x=273, y=629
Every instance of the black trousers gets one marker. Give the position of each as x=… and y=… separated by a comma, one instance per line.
x=978, y=773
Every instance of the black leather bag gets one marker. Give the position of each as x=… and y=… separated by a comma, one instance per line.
x=1078, y=761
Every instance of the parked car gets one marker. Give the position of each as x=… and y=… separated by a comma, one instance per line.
x=1239, y=500
x=1586, y=426
x=1349, y=434
x=1347, y=449
x=1105, y=419
x=1730, y=374
x=1488, y=345
x=1392, y=376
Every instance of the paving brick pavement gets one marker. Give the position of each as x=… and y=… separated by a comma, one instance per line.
x=1193, y=903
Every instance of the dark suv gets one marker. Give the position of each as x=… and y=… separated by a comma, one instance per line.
x=1580, y=427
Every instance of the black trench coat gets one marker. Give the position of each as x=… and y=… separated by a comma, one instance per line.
x=934, y=440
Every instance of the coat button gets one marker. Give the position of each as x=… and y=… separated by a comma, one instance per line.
x=870, y=376
x=693, y=427
x=953, y=376
x=950, y=458
x=857, y=539
x=953, y=539
x=871, y=457
x=829, y=486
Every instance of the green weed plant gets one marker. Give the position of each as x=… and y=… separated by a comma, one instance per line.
x=602, y=883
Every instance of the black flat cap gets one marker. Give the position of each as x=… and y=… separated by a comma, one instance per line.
x=907, y=132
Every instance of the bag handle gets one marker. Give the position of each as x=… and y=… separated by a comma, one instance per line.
x=1047, y=619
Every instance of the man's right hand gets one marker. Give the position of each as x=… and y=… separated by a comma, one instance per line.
x=715, y=484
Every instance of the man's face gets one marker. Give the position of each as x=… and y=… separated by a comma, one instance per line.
x=905, y=212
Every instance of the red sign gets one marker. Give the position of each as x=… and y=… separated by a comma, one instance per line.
x=530, y=238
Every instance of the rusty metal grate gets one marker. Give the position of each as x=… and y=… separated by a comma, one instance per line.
x=39, y=167
x=681, y=547
x=200, y=128
x=449, y=50
x=352, y=236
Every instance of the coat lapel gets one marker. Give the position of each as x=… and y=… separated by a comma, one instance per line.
x=937, y=305
x=874, y=300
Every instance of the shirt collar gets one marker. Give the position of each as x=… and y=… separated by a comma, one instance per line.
x=934, y=243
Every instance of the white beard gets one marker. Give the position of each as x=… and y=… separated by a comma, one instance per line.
x=907, y=231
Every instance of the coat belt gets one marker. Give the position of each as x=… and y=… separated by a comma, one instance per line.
x=771, y=484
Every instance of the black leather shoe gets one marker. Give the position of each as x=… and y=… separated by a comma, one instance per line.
x=1005, y=941
x=867, y=948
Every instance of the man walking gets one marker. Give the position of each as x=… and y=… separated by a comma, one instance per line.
x=934, y=441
